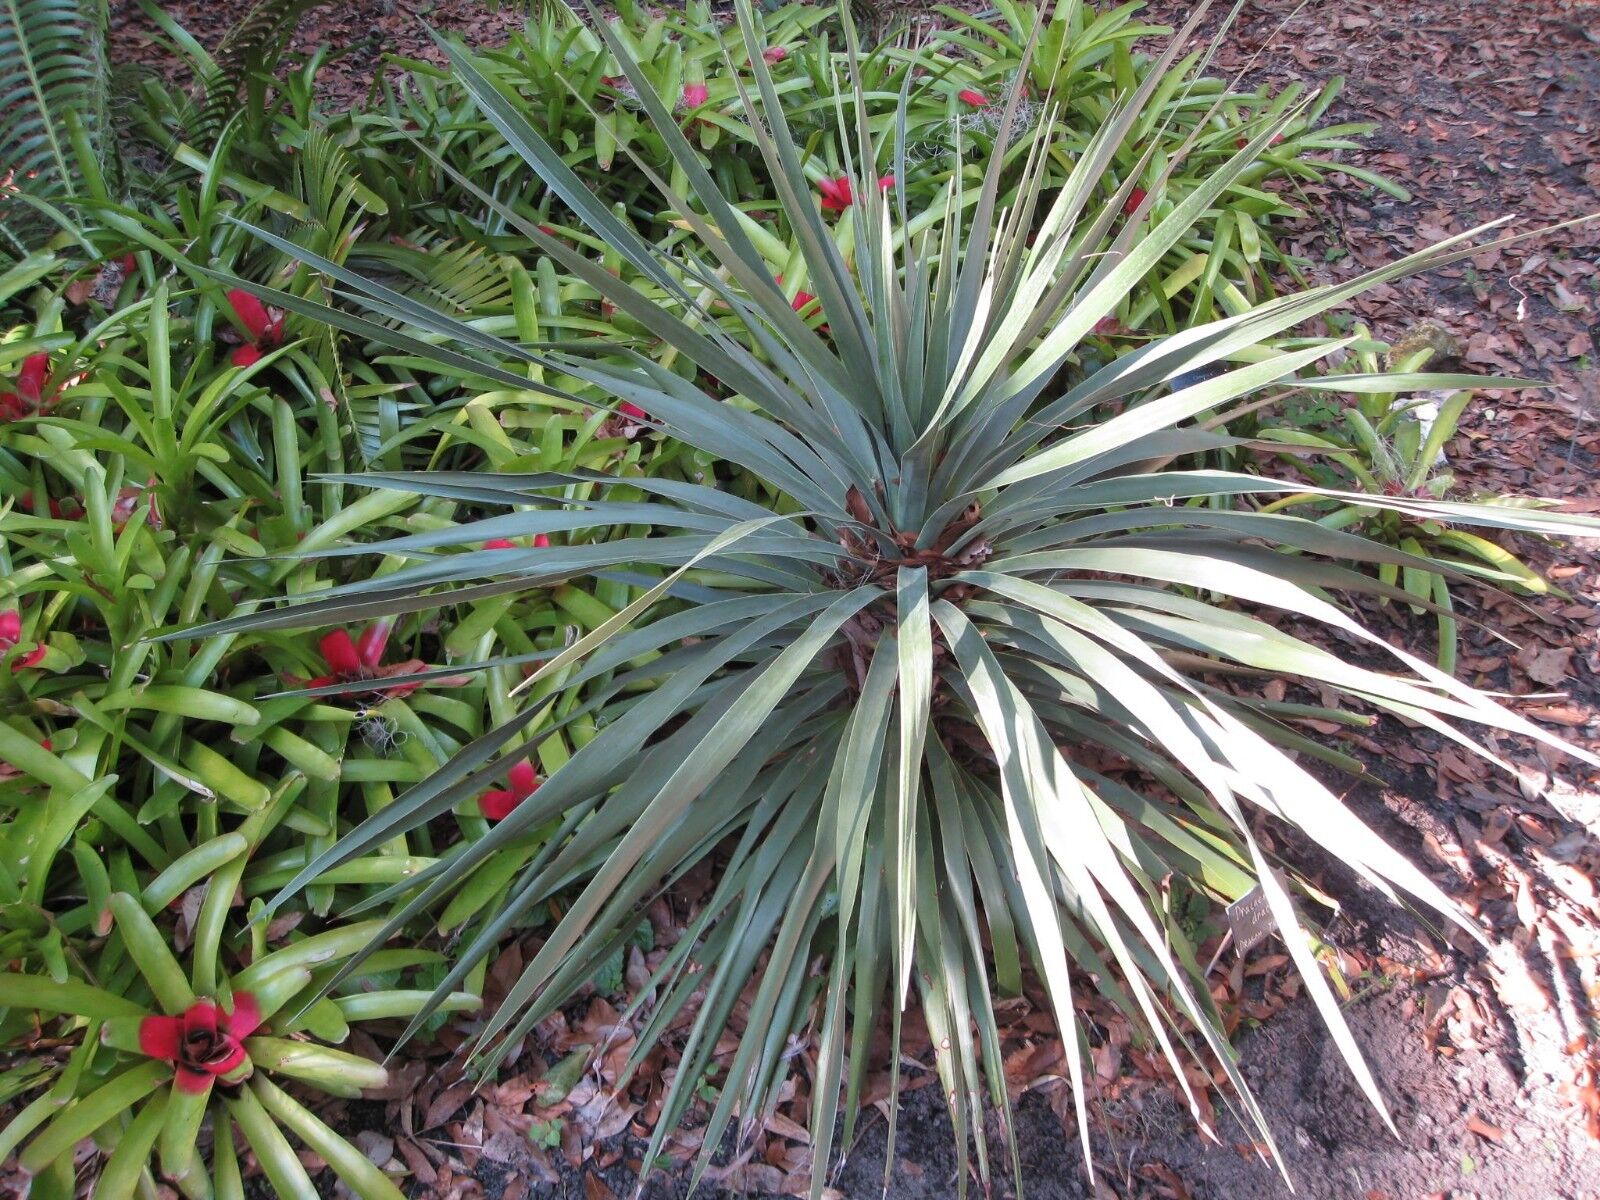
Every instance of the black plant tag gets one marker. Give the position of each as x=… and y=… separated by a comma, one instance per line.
x=1250, y=919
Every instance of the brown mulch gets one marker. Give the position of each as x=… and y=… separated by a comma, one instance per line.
x=363, y=32
x=1483, y=109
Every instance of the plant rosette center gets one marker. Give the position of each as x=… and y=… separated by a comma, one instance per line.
x=204, y=1043
x=877, y=554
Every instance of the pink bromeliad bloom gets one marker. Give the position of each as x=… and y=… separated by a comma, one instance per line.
x=266, y=331
x=695, y=94
x=497, y=803
x=11, y=637
x=975, y=98
x=775, y=55
x=205, y=1044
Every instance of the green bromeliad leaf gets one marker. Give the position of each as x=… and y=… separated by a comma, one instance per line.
x=943, y=709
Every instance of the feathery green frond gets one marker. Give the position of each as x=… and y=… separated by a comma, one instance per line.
x=53, y=123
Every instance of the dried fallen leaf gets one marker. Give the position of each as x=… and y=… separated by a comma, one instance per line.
x=1489, y=1133
x=1549, y=665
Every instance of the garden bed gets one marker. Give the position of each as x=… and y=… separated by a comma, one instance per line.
x=1483, y=1057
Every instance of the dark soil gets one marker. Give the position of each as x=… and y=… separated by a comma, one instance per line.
x=1484, y=108
x=1333, y=1146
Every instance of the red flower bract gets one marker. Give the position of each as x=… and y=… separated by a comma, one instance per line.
x=205, y=1043
x=803, y=300
x=695, y=94
x=360, y=660
x=266, y=331
x=29, y=396
x=497, y=803
x=1135, y=198
x=774, y=54
x=11, y=636
x=540, y=542
x=838, y=195
x=350, y=660
x=30, y=380
x=975, y=98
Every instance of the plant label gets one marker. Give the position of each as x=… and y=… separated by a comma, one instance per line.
x=1250, y=919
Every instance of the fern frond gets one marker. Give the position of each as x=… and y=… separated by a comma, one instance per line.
x=462, y=278
x=248, y=53
x=53, y=76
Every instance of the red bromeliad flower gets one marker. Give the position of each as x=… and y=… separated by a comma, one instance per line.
x=975, y=98
x=266, y=331
x=206, y=1043
x=11, y=637
x=695, y=94
x=775, y=55
x=497, y=803
x=838, y=195
x=802, y=302
x=1135, y=198
x=354, y=660
x=358, y=660
x=541, y=541
x=30, y=380
x=349, y=660
x=29, y=396
x=632, y=411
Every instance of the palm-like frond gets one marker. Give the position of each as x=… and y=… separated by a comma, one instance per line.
x=247, y=56
x=53, y=126
x=946, y=712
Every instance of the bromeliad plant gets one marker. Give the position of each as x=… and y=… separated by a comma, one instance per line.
x=1391, y=442
x=942, y=710
x=170, y=1062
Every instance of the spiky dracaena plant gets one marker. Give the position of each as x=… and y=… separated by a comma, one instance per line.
x=945, y=711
